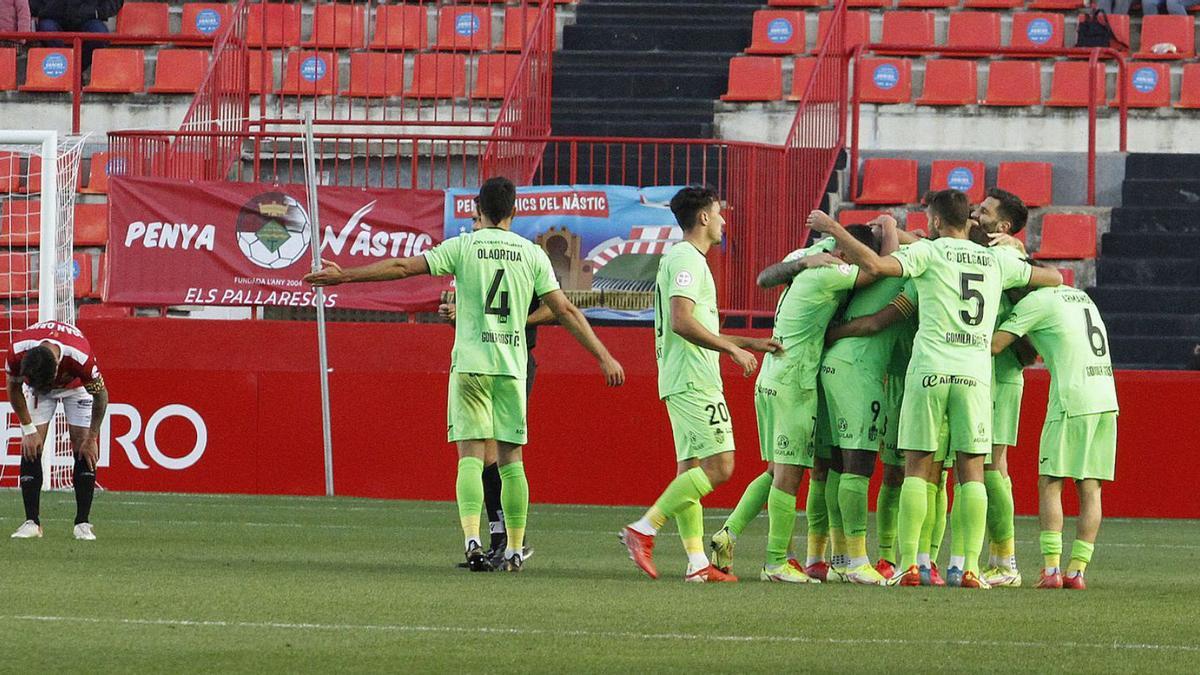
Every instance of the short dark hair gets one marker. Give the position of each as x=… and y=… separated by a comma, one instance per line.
x=1011, y=209
x=497, y=199
x=866, y=235
x=952, y=206
x=38, y=367
x=690, y=201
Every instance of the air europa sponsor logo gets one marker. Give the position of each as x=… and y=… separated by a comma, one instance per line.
x=934, y=380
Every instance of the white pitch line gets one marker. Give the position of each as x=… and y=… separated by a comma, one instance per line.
x=619, y=635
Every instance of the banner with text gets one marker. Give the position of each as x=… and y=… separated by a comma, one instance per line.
x=173, y=243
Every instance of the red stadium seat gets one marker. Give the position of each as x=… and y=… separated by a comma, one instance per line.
x=1033, y=182
x=1067, y=236
x=993, y=4
x=802, y=69
x=1189, y=91
x=276, y=26
x=257, y=62
x=1014, y=83
x=400, y=27
x=464, y=28
x=967, y=177
x=439, y=76
x=885, y=80
x=48, y=69
x=81, y=272
x=1056, y=5
x=101, y=276
x=869, y=3
x=927, y=4
x=99, y=310
x=1148, y=84
x=204, y=18
x=857, y=29
x=91, y=224
x=144, y=18
x=911, y=29
x=101, y=166
x=1168, y=28
x=917, y=222
x=20, y=222
x=310, y=74
x=974, y=29
x=10, y=172
x=888, y=181
x=8, y=68
x=179, y=71
x=1119, y=23
x=798, y=3
x=1037, y=30
x=1068, y=276
x=337, y=25
x=857, y=216
x=16, y=275
x=1069, y=85
x=755, y=78
x=376, y=75
x=518, y=25
x=494, y=74
x=778, y=32
x=119, y=71
x=950, y=82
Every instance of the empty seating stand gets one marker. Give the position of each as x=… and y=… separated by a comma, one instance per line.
x=967, y=177
x=120, y=71
x=885, y=80
x=1067, y=236
x=1031, y=181
x=400, y=27
x=888, y=181
x=777, y=32
x=179, y=71
x=974, y=29
x=273, y=25
x=439, y=76
x=1168, y=29
x=1069, y=84
x=310, y=74
x=494, y=73
x=464, y=28
x=755, y=78
x=204, y=18
x=376, y=74
x=144, y=18
x=950, y=82
x=910, y=29
x=1014, y=83
x=1037, y=30
x=338, y=26
x=1148, y=85
x=48, y=69
x=856, y=29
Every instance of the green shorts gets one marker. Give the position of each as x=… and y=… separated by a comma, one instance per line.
x=960, y=404
x=822, y=434
x=1084, y=446
x=855, y=401
x=1006, y=412
x=893, y=396
x=486, y=407
x=787, y=418
x=700, y=423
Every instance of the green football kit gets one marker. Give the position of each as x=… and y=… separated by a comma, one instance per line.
x=1008, y=376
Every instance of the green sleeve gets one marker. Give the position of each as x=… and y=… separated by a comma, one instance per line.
x=687, y=276
x=443, y=258
x=799, y=253
x=840, y=277
x=914, y=258
x=544, y=280
x=1027, y=315
x=1014, y=271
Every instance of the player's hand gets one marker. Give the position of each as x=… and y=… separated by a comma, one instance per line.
x=31, y=445
x=745, y=360
x=1002, y=239
x=446, y=310
x=90, y=451
x=331, y=274
x=884, y=220
x=765, y=345
x=823, y=259
x=821, y=221
x=614, y=374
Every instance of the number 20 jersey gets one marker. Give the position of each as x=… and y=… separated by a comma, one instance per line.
x=496, y=275
x=959, y=283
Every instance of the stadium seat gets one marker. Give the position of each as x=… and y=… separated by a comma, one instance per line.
x=927, y=4
x=439, y=76
x=1056, y=5
x=917, y=222
x=1168, y=29
x=31, y=175
x=310, y=74
x=755, y=78
x=1031, y=181
x=1149, y=85
x=967, y=177
x=1069, y=85
x=204, y=18
x=857, y=216
x=1037, y=30
x=518, y=24
x=100, y=310
x=1119, y=23
x=950, y=82
x=376, y=75
x=118, y=71
x=48, y=69
x=911, y=29
x=8, y=68
x=10, y=171
x=880, y=4
x=1189, y=89
x=338, y=25
x=885, y=80
x=493, y=75
x=797, y=3
x=778, y=32
x=1067, y=236
x=144, y=18
x=974, y=29
x=993, y=4
x=888, y=181
x=276, y=26
x=401, y=27
x=179, y=71
x=16, y=275
x=464, y=28
x=802, y=69
x=1014, y=83
x=101, y=275
x=101, y=166
x=257, y=61
x=857, y=29
x=1068, y=276
x=20, y=221
x=91, y=224
x=81, y=271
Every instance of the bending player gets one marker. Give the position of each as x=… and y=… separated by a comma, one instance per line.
x=49, y=363
x=497, y=273
x=687, y=345
x=1079, y=439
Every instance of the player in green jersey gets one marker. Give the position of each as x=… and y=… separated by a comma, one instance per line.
x=687, y=345
x=786, y=406
x=1079, y=439
x=949, y=377
x=496, y=273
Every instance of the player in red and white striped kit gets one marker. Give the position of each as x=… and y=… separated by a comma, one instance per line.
x=48, y=363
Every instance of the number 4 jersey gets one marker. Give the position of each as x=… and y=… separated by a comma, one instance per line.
x=496, y=275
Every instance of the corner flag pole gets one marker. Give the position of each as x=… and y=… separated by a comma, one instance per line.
x=314, y=221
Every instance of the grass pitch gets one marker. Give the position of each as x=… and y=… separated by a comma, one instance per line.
x=253, y=584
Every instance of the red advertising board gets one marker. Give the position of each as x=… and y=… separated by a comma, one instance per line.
x=194, y=243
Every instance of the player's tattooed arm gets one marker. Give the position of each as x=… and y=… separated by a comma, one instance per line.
x=864, y=326
x=783, y=272
x=99, y=394
x=332, y=274
x=854, y=250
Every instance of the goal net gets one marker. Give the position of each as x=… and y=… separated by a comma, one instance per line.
x=39, y=173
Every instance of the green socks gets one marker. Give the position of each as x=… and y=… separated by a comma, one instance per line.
x=913, y=506
x=468, y=490
x=970, y=500
x=852, y=503
x=1081, y=555
x=688, y=487
x=690, y=521
x=514, y=499
x=939, y=519
x=750, y=505
x=926, y=541
x=817, y=515
x=887, y=505
x=1000, y=506
x=837, y=535
x=781, y=510
x=1051, y=543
